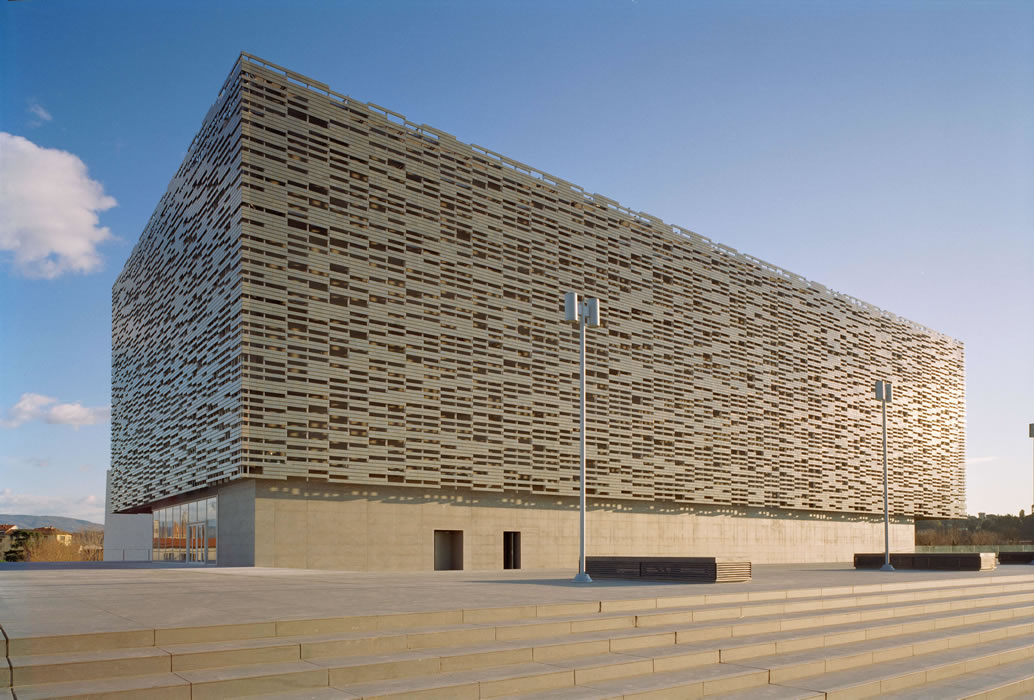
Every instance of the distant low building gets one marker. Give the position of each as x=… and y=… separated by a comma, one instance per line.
x=61, y=536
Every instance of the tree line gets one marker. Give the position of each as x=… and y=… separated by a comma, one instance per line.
x=29, y=545
x=989, y=529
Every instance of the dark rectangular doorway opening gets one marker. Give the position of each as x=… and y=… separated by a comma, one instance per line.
x=448, y=550
x=511, y=550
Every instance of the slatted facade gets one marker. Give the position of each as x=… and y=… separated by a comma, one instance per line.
x=329, y=291
x=175, y=328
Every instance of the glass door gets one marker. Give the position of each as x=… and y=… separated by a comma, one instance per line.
x=197, y=544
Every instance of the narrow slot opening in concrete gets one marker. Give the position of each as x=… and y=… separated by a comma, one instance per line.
x=511, y=550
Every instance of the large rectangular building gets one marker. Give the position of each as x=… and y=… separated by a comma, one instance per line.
x=339, y=343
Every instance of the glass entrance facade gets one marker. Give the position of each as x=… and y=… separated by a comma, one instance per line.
x=186, y=532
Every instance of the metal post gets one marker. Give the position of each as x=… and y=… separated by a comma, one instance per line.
x=582, y=577
x=1031, y=433
x=886, y=509
x=586, y=311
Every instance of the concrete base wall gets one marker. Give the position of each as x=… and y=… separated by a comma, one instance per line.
x=236, y=525
x=317, y=525
x=127, y=537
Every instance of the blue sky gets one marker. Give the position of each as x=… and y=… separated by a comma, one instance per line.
x=884, y=149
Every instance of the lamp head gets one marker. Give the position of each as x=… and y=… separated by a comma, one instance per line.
x=570, y=306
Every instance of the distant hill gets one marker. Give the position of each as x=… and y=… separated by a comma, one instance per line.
x=33, y=521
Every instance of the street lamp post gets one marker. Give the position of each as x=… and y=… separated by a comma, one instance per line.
x=586, y=312
x=883, y=395
x=1031, y=433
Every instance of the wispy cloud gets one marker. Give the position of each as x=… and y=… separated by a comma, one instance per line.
x=980, y=460
x=88, y=507
x=31, y=407
x=21, y=462
x=50, y=207
x=39, y=112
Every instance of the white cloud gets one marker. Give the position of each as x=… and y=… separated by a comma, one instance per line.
x=32, y=407
x=29, y=407
x=980, y=460
x=84, y=507
x=76, y=414
x=48, y=210
x=41, y=114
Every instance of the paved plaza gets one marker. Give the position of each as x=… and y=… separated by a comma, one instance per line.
x=45, y=599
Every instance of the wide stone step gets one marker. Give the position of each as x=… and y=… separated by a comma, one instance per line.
x=68, y=643
x=607, y=674
x=195, y=657
x=164, y=686
x=604, y=667
x=88, y=665
x=482, y=683
x=1004, y=681
x=913, y=672
x=216, y=683
x=703, y=681
x=209, y=684
x=772, y=692
x=647, y=689
x=785, y=668
x=309, y=694
x=532, y=679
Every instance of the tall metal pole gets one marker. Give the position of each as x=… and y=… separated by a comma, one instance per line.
x=883, y=395
x=586, y=311
x=886, y=510
x=582, y=577
x=1031, y=433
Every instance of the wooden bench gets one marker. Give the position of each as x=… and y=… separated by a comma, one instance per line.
x=1015, y=557
x=937, y=561
x=690, y=569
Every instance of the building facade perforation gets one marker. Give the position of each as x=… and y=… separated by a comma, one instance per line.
x=430, y=133
x=175, y=329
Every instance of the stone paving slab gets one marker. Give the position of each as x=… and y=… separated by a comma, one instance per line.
x=40, y=599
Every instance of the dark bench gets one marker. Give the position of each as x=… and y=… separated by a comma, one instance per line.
x=937, y=561
x=1015, y=557
x=695, y=569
